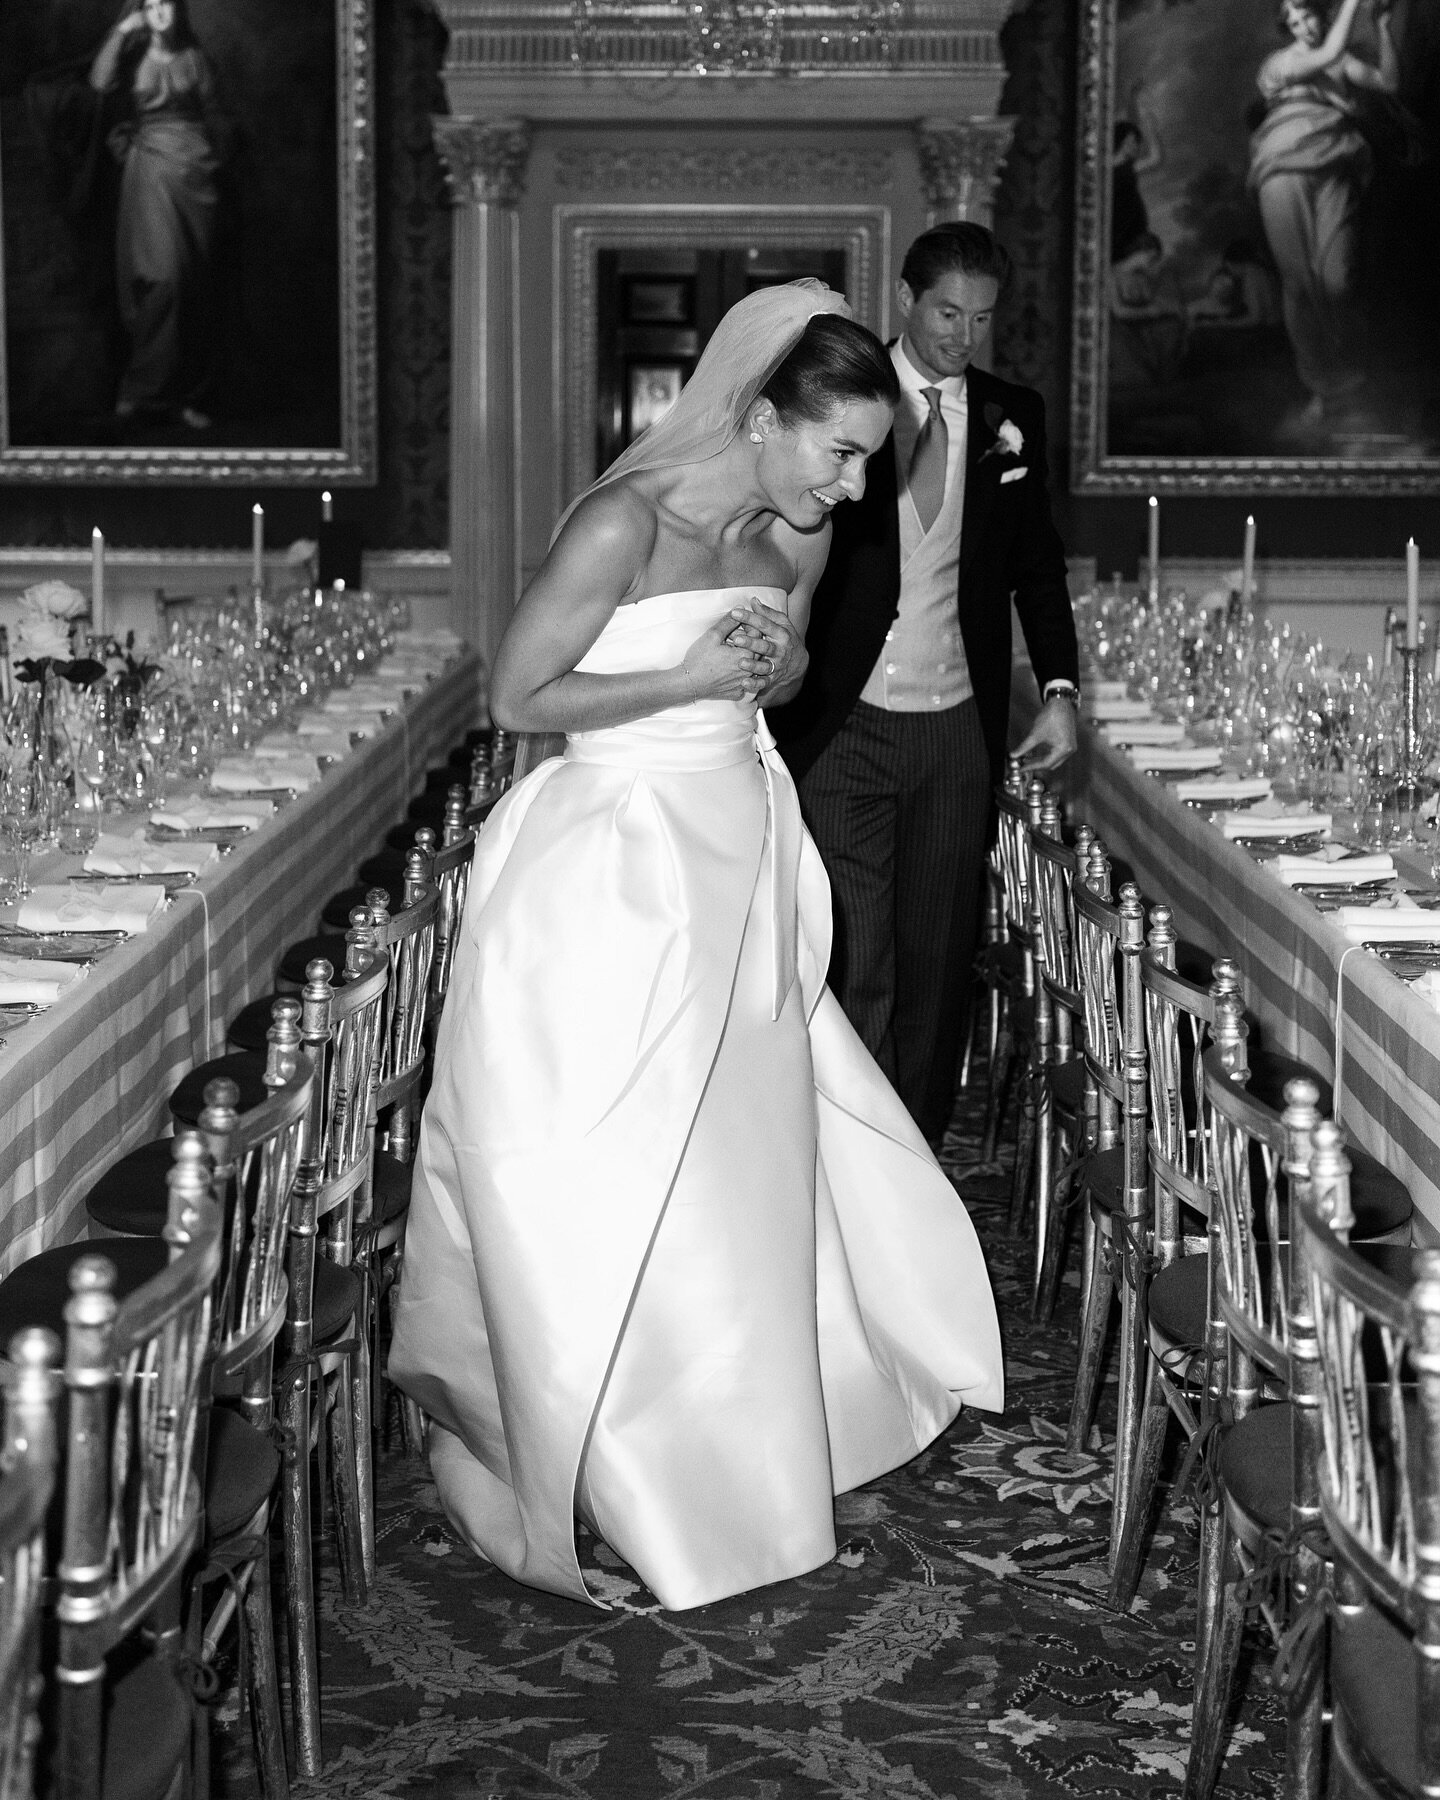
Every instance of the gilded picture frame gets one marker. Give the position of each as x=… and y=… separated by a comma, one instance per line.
x=1215, y=349
x=187, y=260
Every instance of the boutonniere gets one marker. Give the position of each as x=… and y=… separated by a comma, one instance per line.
x=1009, y=439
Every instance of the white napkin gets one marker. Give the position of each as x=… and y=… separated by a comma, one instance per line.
x=209, y=815
x=363, y=721
x=1121, y=708
x=333, y=742
x=240, y=774
x=1427, y=986
x=1176, y=756
x=1385, y=922
x=1103, y=689
x=34, y=981
x=1223, y=787
x=115, y=854
x=1334, y=870
x=1145, y=731
x=1259, y=822
x=129, y=908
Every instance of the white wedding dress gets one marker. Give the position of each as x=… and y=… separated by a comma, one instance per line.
x=677, y=1261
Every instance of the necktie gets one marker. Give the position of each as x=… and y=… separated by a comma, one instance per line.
x=927, y=463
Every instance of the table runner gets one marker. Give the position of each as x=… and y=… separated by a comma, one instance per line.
x=89, y=1081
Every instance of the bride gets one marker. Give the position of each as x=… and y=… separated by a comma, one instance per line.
x=678, y=1263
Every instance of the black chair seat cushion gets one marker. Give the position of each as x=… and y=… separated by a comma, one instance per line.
x=246, y=1068
x=250, y=1027
x=335, y=914
x=36, y=1293
x=1256, y=1467
x=1105, y=1177
x=325, y=943
x=1067, y=1084
x=336, y=1296
x=383, y=868
x=1176, y=1299
x=390, y=1189
x=460, y=762
x=1373, y=1682
x=149, y=1717
x=1193, y=962
x=131, y=1196
x=426, y=809
x=240, y=1472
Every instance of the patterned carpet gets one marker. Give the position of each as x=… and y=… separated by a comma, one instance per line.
x=958, y=1645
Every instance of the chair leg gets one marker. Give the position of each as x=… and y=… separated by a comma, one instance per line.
x=1304, y=1717
x=1050, y=1250
x=412, y=1425
x=361, y=1424
x=1022, y=1176
x=1000, y=1060
x=344, y=1475
x=1218, y=1652
x=265, y=1682
x=1127, y=1523
x=1094, y=1322
x=1134, y=1359
x=300, y=1580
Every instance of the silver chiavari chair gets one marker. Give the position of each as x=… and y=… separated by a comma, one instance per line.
x=27, y=1480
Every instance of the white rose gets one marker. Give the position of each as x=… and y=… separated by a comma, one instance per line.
x=300, y=552
x=1011, y=437
x=37, y=637
x=54, y=599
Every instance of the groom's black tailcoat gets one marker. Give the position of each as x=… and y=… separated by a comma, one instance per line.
x=1008, y=546
x=901, y=807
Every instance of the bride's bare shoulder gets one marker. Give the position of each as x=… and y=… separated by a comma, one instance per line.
x=617, y=519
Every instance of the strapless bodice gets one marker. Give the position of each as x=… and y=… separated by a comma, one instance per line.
x=655, y=634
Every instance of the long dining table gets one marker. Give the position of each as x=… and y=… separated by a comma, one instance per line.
x=1313, y=993
x=89, y=1079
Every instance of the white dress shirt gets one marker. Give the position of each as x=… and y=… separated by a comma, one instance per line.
x=922, y=666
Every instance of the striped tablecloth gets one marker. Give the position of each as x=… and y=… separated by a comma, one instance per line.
x=89, y=1080
x=1290, y=955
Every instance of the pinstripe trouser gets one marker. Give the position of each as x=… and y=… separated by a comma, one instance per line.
x=897, y=803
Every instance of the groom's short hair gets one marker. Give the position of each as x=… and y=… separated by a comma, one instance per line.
x=958, y=248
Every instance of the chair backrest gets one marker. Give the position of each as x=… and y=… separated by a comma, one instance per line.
x=1052, y=887
x=1012, y=851
x=340, y=1030
x=255, y=1157
x=136, y=1372
x=1376, y=1360
x=408, y=937
x=1178, y=1017
x=450, y=871
x=1110, y=936
x=27, y=1480
x=1259, y=1160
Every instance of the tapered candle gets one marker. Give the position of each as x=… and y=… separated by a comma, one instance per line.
x=1412, y=594
x=257, y=545
x=1247, y=566
x=97, y=582
x=1154, y=545
x=327, y=509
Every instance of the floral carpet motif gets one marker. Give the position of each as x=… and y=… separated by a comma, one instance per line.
x=959, y=1644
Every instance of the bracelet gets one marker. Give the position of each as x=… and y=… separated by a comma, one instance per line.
x=689, y=685
x=1060, y=689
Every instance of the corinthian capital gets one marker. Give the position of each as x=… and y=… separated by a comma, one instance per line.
x=484, y=159
x=960, y=162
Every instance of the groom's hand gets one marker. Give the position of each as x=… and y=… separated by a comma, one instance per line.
x=1051, y=739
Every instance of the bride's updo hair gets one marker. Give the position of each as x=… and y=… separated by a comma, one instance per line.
x=833, y=360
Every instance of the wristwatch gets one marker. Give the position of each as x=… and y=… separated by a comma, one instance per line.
x=1060, y=689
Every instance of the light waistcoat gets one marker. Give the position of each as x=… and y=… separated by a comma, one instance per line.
x=922, y=665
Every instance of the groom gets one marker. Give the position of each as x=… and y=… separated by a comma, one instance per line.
x=897, y=737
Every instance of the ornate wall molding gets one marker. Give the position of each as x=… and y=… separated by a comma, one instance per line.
x=733, y=170
x=581, y=232
x=960, y=162
x=484, y=159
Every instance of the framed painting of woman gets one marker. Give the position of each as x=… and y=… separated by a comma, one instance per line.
x=1257, y=300
x=187, y=253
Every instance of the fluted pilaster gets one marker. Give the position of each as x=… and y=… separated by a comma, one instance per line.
x=484, y=161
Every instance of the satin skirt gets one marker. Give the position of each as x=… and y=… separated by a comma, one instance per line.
x=677, y=1261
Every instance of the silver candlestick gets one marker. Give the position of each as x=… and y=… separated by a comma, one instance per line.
x=1411, y=788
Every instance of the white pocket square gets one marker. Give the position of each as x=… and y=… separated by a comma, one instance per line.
x=1013, y=475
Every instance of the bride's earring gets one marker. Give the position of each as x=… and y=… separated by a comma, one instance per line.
x=755, y=437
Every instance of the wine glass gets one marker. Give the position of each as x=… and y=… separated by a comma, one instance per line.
x=22, y=815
